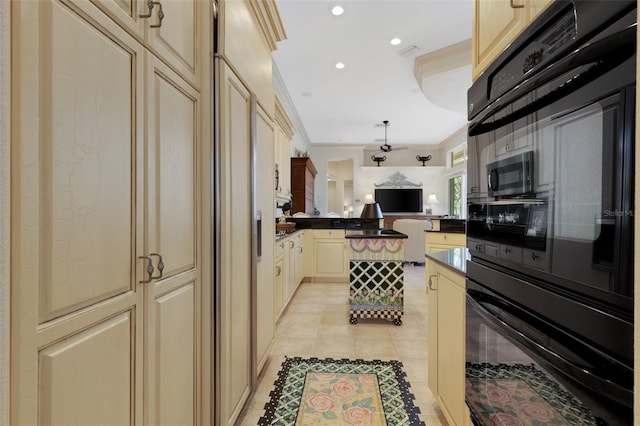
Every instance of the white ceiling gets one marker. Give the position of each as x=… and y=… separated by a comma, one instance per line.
x=378, y=83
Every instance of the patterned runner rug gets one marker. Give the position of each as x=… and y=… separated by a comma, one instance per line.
x=340, y=392
x=520, y=395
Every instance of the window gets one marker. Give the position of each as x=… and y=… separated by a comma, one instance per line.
x=455, y=196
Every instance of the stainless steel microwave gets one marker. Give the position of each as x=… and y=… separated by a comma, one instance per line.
x=511, y=176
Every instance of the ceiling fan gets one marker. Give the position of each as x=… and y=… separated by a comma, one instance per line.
x=386, y=147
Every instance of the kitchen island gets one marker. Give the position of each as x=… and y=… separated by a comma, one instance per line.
x=376, y=275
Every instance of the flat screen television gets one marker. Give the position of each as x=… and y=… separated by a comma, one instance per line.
x=399, y=200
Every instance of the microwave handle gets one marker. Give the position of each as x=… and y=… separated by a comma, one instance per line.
x=492, y=180
x=600, y=57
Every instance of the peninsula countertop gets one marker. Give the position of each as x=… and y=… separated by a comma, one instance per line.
x=374, y=233
x=454, y=259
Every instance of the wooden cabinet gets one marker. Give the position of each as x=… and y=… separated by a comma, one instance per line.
x=437, y=241
x=328, y=257
x=496, y=24
x=289, y=261
x=247, y=33
x=446, y=340
x=283, y=135
x=106, y=185
x=173, y=38
x=303, y=174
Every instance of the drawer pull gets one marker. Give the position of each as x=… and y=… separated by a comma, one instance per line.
x=507, y=250
x=431, y=283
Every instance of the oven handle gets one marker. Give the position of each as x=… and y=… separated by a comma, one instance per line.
x=598, y=58
x=576, y=372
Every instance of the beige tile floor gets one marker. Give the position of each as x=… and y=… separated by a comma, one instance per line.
x=316, y=323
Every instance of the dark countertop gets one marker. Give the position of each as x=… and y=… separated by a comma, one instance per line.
x=334, y=223
x=454, y=259
x=375, y=233
x=454, y=226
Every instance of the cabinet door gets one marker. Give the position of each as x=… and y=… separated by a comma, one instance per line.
x=278, y=281
x=173, y=311
x=235, y=241
x=330, y=252
x=173, y=38
x=176, y=39
x=495, y=24
x=77, y=303
x=451, y=345
x=432, y=324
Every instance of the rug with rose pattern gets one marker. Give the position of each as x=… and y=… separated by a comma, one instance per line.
x=316, y=391
x=520, y=395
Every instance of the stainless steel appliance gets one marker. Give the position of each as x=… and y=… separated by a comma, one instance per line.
x=550, y=214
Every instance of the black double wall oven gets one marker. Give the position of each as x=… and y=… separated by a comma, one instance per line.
x=549, y=324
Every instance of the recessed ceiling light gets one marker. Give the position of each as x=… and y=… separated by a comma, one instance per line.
x=306, y=94
x=337, y=10
x=339, y=65
x=395, y=41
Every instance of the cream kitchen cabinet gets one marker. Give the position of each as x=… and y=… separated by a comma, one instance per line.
x=284, y=133
x=289, y=261
x=168, y=28
x=436, y=241
x=446, y=299
x=106, y=295
x=496, y=24
x=247, y=33
x=330, y=257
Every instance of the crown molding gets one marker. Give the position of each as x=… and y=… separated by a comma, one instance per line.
x=269, y=20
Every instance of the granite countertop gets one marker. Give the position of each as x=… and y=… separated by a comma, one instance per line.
x=317, y=222
x=454, y=259
x=375, y=233
x=454, y=226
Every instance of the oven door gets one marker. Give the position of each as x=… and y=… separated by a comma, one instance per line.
x=521, y=369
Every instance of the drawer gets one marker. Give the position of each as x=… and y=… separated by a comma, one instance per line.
x=475, y=246
x=535, y=259
x=447, y=238
x=511, y=253
x=492, y=249
x=328, y=233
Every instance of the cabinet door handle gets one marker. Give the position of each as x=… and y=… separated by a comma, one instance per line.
x=291, y=244
x=160, y=16
x=534, y=256
x=507, y=250
x=149, y=269
x=278, y=271
x=160, y=265
x=150, y=4
x=431, y=283
x=516, y=6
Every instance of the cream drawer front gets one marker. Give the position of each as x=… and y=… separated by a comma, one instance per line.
x=328, y=233
x=447, y=238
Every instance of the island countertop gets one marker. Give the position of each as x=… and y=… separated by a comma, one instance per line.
x=454, y=259
x=375, y=233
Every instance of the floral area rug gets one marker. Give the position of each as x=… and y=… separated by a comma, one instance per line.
x=520, y=395
x=340, y=392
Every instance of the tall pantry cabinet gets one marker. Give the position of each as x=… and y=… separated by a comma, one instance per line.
x=107, y=129
x=245, y=100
